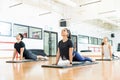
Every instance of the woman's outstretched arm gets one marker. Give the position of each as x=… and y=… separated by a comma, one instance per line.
x=57, y=56
x=102, y=50
x=110, y=49
x=70, y=55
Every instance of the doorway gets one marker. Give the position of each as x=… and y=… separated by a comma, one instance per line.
x=74, y=40
x=50, y=43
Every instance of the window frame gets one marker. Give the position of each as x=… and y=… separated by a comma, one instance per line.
x=83, y=36
x=21, y=26
x=93, y=42
x=36, y=28
x=101, y=40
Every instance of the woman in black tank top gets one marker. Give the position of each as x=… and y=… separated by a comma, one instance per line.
x=65, y=49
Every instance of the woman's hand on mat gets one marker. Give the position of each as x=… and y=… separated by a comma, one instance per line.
x=54, y=64
x=21, y=58
x=110, y=58
x=69, y=64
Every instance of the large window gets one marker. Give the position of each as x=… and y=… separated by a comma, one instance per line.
x=17, y=28
x=35, y=33
x=5, y=28
x=100, y=41
x=83, y=39
x=93, y=40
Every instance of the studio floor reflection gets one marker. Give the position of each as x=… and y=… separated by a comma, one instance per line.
x=104, y=70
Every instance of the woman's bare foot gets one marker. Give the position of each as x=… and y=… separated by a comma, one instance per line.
x=42, y=57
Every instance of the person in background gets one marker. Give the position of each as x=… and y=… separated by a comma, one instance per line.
x=106, y=49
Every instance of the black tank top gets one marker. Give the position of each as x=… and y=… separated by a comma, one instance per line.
x=64, y=48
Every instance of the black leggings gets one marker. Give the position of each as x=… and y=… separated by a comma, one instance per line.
x=30, y=55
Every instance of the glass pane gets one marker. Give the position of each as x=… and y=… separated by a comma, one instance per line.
x=90, y=40
x=54, y=45
x=46, y=43
x=5, y=29
x=99, y=41
x=93, y=40
x=20, y=29
x=83, y=39
x=110, y=41
x=74, y=40
x=36, y=33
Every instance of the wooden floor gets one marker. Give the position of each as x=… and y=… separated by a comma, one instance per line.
x=107, y=70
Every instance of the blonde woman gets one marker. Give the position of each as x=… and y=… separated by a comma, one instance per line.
x=106, y=49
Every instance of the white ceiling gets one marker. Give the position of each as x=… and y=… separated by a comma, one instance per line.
x=104, y=13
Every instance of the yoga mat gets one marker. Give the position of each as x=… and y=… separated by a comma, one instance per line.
x=106, y=59
x=26, y=60
x=19, y=61
x=76, y=64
